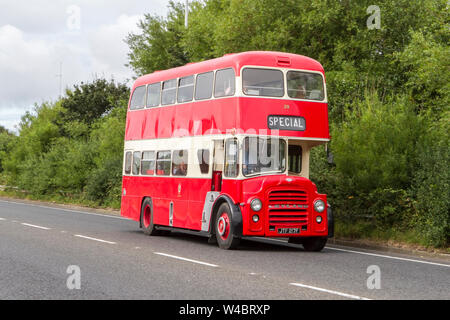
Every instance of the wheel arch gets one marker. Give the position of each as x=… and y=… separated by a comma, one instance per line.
x=236, y=215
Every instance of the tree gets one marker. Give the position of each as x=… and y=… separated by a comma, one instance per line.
x=87, y=102
x=6, y=140
x=159, y=45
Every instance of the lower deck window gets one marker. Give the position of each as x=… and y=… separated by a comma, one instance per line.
x=128, y=159
x=231, y=158
x=148, y=163
x=203, y=160
x=163, y=163
x=136, y=162
x=179, y=163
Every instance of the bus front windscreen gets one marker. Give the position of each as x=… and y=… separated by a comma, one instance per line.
x=305, y=85
x=263, y=155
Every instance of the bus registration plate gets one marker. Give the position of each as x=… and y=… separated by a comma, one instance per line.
x=288, y=230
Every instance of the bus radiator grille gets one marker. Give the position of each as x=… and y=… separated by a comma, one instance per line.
x=288, y=207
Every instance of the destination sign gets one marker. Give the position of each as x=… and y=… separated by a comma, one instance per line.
x=286, y=123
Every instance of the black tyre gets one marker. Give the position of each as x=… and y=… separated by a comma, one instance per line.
x=224, y=228
x=295, y=240
x=147, y=218
x=314, y=244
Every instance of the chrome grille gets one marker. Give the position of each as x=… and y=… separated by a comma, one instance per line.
x=288, y=207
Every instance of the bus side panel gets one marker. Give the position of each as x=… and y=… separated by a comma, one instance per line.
x=159, y=190
x=233, y=189
x=131, y=202
x=180, y=198
x=197, y=196
x=199, y=118
x=220, y=115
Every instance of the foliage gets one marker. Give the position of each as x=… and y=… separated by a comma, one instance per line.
x=432, y=183
x=60, y=152
x=87, y=102
x=6, y=139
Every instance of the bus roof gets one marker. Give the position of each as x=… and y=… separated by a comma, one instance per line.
x=236, y=61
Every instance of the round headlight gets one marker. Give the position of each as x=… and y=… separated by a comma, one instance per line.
x=318, y=219
x=255, y=218
x=319, y=206
x=256, y=205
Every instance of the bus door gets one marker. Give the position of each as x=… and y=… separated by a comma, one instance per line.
x=218, y=164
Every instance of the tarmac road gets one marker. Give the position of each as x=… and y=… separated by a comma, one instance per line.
x=117, y=261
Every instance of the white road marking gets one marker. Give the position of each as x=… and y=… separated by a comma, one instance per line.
x=369, y=254
x=275, y=240
x=94, y=239
x=351, y=296
x=186, y=259
x=34, y=226
x=2, y=219
x=68, y=210
x=390, y=257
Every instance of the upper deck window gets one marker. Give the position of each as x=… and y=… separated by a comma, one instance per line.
x=169, y=92
x=186, y=89
x=225, y=83
x=138, y=98
x=305, y=85
x=154, y=95
x=263, y=82
x=204, y=86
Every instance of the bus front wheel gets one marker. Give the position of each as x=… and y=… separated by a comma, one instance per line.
x=224, y=228
x=314, y=244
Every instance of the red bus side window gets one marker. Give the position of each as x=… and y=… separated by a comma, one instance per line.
x=262, y=82
x=225, y=83
x=169, y=92
x=163, y=163
x=180, y=163
x=128, y=158
x=138, y=98
x=186, y=89
x=153, y=95
x=136, y=162
x=203, y=160
x=204, y=86
x=148, y=163
x=231, y=158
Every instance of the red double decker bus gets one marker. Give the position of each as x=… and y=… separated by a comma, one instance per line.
x=221, y=148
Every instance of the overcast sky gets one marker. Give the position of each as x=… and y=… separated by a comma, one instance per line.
x=86, y=36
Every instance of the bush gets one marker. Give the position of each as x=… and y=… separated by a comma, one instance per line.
x=432, y=184
x=375, y=147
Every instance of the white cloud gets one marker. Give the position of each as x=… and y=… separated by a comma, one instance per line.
x=35, y=38
x=110, y=55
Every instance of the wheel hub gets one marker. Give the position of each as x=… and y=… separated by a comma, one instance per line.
x=221, y=226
